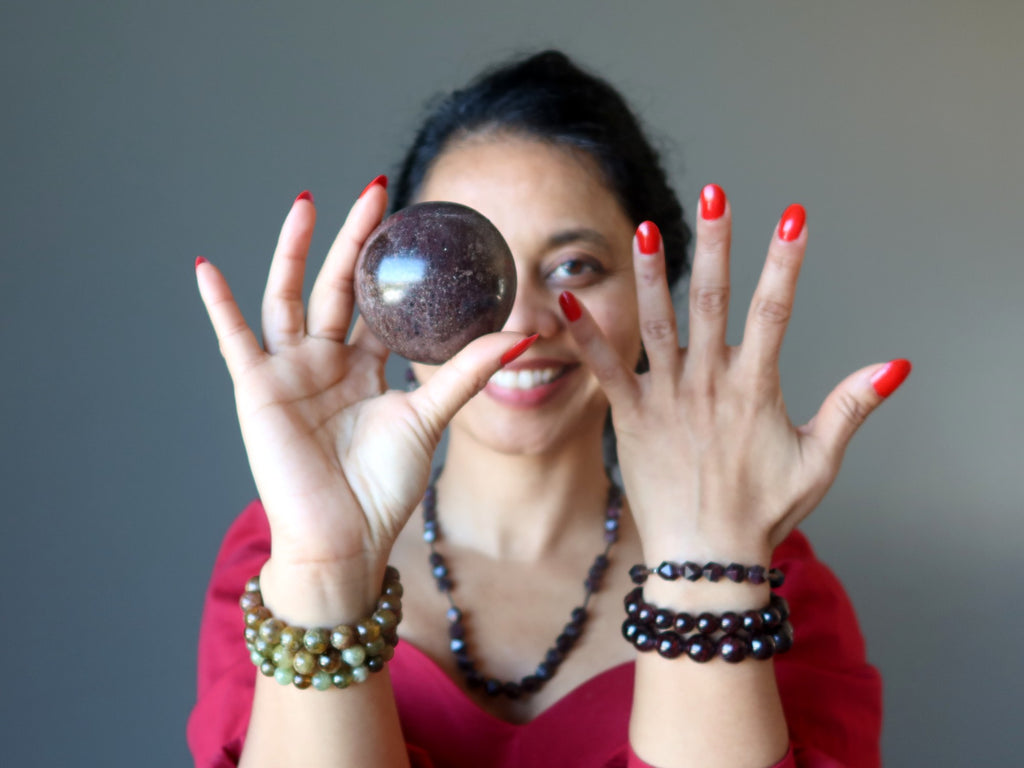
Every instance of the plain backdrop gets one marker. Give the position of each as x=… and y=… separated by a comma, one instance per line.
x=137, y=135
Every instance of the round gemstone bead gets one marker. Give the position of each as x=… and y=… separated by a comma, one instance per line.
x=783, y=637
x=733, y=648
x=530, y=683
x=439, y=571
x=492, y=687
x=457, y=629
x=282, y=657
x=630, y=628
x=684, y=623
x=270, y=630
x=386, y=619
x=360, y=674
x=730, y=622
x=251, y=634
x=368, y=630
x=256, y=657
x=267, y=668
x=321, y=680
x=304, y=663
x=545, y=671
x=735, y=572
x=579, y=615
x=262, y=647
x=700, y=648
x=354, y=655
x=645, y=613
x=670, y=645
x=564, y=642
x=457, y=645
x=776, y=578
x=375, y=663
x=341, y=679
x=395, y=590
x=770, y=617
x=762, y=647
x=781, y=605
x=329, y=661
x=302, y=682
x=756, y=574
x=645, y=639
x=375, y=647
x=250, y=600
x=633, y=601
x=283, y=675
x=316, y=639
x=388, y=653
x=454, y=614
x=512, y=690
x=291, y=638
x=664, y=618
x=391, y=575
x=344, y=636
x=752, y=621
x=256, y=616
x=253, y=585
x=554, y=657
x=707, y=623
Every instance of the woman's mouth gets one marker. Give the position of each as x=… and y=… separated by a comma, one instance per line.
x=528, y=383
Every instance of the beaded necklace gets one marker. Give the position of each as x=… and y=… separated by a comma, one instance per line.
x=565, y=641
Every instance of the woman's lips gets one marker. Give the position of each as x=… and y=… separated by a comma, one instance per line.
x=527, y=383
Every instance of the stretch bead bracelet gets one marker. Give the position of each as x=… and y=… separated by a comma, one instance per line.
x=758, y=633
x=322, y=657
x=753, y=574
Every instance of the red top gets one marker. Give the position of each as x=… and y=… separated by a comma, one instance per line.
x=831, y=696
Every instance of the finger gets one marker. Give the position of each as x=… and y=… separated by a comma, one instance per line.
x=367, y=340
x=458, y=380
x=850, y=403
x=772, y=304
x=618, y=382
x=656, y=312
x=333, y=295
x=283, y=313
x=238, y=344
x=709, y=280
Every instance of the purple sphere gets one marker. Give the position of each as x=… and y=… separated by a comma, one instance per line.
x=433, y=277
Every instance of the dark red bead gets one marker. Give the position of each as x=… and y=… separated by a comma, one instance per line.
x=645, y=639
x=444, y=585
x=762, y=647
x=633, y=601
x=375, y=663
x=684, y=623
x=629, y=629
x=474, y=679
x=564, y=643
x=457, y=645
x=756, y=574
x=733, y=649
x=493, y=687
x=736, y=572
x=645, y=613
x=545, y=671
x=770, y=617
x=781, y=605
x=713, y=571
x=664, y=618
x=512, y=690
x=454, y=614
x=668, y=571
x=783, y=637
x=700, y=648
x=670, y=645
x=436, y=559
x=776, y=578
x=440, y=571
x=730, y=621
x=707, y=623
x=579, y=615
x=456, y=630
x=554, y=657
x=638, y=574
x=692, y=571
x=752, y=620
x=463, y=662
x=530, y=683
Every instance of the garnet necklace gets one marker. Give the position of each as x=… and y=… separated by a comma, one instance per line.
x=565, y=641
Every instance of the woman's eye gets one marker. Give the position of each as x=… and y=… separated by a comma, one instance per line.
x=575, y=268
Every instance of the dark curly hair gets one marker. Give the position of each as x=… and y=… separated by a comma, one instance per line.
x=548, y=97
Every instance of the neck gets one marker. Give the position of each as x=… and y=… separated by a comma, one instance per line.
x=520, y=507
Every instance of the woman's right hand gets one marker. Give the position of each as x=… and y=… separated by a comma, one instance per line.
x=339, y=461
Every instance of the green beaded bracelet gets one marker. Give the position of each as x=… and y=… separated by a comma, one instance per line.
x=320, y=657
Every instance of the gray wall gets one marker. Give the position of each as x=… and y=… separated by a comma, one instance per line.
x=136, y=136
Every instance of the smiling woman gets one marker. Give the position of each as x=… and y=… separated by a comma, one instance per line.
x=740, y=648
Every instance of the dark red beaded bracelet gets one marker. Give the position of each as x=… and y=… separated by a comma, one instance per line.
x=670, y=571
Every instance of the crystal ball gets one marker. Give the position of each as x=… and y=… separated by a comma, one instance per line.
x=433, y=277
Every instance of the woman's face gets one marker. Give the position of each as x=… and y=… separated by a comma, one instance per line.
x=567, y=232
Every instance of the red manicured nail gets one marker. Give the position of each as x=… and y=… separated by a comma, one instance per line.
x=381, y=181
x=890, y=376
x=712, y=202
x=792, y=222
x=518, y=348
x=648, y=238
x=307, y=195
x=200, y=260
x=570, y=307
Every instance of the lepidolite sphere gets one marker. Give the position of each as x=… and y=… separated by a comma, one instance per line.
x=433, y=277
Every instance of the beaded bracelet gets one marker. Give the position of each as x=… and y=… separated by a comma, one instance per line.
x=691, y=571
x=322, y=657
x=758, y=633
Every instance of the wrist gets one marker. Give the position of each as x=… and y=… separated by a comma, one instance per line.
x=320, y=595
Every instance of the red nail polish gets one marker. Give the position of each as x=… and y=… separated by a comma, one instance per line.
x=381, y=181
x=890, y=376
x=200, y=260
x=792, y=222
x=307, y=195
x=712, y=202
x=570, y=307
x=648, y=238
x=518, y=348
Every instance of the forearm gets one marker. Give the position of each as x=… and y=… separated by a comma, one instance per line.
x=712, y=714
x=357, y=725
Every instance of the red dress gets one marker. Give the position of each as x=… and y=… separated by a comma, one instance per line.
x=831, y=696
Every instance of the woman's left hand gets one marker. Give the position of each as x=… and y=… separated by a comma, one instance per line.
x=712, y=465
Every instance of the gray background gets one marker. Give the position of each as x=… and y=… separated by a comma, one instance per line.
x=136, y=136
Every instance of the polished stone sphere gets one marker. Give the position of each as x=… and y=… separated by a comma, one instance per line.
x=433, y=277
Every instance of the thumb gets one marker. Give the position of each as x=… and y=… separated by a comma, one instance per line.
x=458, y=380
x=852, y=401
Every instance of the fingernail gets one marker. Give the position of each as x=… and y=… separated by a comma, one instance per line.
x=381, y=181
x=887, y=378
x=200, y=260
x=792, y=222
x=712, y=202
x=307, y=195
x=518, y=348
x=648, y=238
x=570, y=307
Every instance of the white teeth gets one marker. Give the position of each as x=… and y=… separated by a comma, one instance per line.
x=527, y=378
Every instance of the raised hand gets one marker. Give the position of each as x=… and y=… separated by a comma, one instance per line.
x=711, y=462
x=339, y=461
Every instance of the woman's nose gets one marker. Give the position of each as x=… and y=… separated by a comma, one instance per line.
x=535, y=310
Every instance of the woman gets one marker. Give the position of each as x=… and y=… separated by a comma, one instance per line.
x=712, y=470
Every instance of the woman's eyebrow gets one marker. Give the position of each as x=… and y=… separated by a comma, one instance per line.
x=568, y=236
